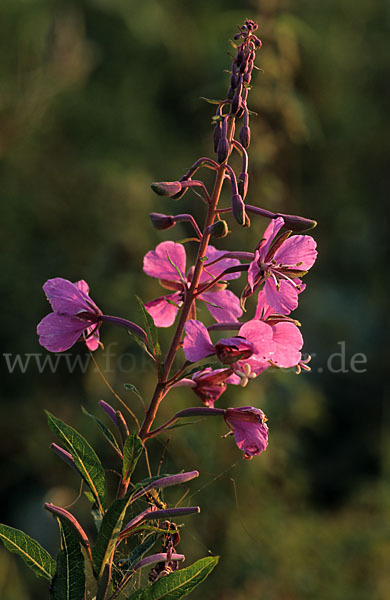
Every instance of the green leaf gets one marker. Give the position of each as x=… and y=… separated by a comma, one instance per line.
x=151, y=329
x=178, y=584
x=210, y=100
x=35, y=557
x=105, y=431
x=69, y=579
x=108, y=534
x=132, y=451
x=84, y=457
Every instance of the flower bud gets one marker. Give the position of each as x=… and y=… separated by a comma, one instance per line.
x=230, y=93
x=219, y=229
x=239, y=57
x=160, y=221
x=166, y=188
x=242, y=184
x=216, y=135
x=238, y=209
x=298, y=224
x=223, y=149
x=236, y=102
x=245, y=136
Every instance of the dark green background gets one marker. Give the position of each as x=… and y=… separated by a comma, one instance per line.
x=97, y=100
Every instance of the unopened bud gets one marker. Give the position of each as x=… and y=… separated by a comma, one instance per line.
x=239, y=57
x=234, y=79
x=223, y=149
x=238, y=209
x=297, y=224
x=245, y=136
x=161, y=222
x=236, y=102
x=230, y=93
x=167, y=188
x=219, y=229
x=256, y=41
x=242, y=184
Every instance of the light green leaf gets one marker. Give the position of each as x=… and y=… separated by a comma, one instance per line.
x=69, y=579
x=132, y=451
x=84, y=457
x=36, y=557
x=178, y=584
x=210, y=100
x=105, y=431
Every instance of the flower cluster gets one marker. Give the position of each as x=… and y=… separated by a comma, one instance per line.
x=273, y=272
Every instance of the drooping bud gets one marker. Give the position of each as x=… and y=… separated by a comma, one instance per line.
x=250, y=429
x=230, y=93
x=160, y=221
x=238, y=209
x=219, y=229
x=166, y=188
x=242, y=183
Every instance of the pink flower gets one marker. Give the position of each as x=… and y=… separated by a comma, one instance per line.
x=254, y=344
x=286, y=335
x=249, y=427
x=168, y=264
x=74, y=315
x=208, y=384
x=278, y=263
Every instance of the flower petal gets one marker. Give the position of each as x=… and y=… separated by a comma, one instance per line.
x=162, y=311
x=157, y=264
x=224, y=305
x=197, y=343
x=298, y=252
x=60, y=332
x=250, y=430
x=66, y=298
x=269, y=236
x=288, y=343
x=254, y=270
x=284, y=300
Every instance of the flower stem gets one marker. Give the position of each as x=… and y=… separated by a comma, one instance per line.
x=162, y=387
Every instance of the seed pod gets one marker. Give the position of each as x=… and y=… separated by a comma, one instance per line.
x=219, y=229
x=166, y=188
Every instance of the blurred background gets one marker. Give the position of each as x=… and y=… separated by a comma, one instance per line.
x=98, y=98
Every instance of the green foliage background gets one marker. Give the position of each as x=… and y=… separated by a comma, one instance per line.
x=98, y=99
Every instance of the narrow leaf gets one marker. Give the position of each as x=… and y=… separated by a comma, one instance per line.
x=210, y=100
x=105, y=431
x=178, y=584
x=132, y=451
x=124, y=565
x=151, y=329
x=69, y=579
x=129, y=387
x=35, y=557
x=84, y=457
x=108, y=534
